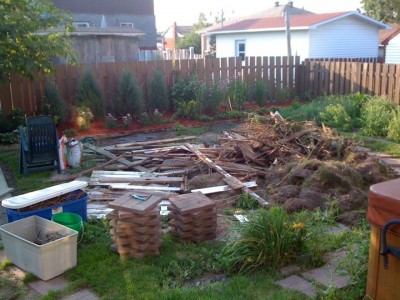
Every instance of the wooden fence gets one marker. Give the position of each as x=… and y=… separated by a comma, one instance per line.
x=277, y=72
x=306, y=80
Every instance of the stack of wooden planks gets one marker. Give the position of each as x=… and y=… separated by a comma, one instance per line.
x=193, y=217
x=136, y=225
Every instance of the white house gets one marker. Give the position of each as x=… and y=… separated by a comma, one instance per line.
x=390, y=44
x=330, y=35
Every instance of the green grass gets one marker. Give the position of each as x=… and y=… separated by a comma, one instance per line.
x=34, y=181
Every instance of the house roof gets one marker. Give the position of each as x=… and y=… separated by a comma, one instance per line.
x=303, y=21
x=107, y=7
x=276, y=11
x=115, y=31
x=386, y=35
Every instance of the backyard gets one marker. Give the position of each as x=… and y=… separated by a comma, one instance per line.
x=312, y=196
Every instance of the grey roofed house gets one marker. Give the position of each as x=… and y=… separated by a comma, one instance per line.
x=135, y=14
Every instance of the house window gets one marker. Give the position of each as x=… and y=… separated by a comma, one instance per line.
x=240, y=49
x=126, y=24
x=80, y=24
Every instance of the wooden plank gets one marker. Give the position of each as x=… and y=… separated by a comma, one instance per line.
x=397, y=85
x=285, y=72
x=224, y=70
x=234, y=183
x=251, y=72
x=258, y=73
x=278, y=74
x=113, y=156
x=347, y=78
x=155, y=142
x=272, y=86
x=364, y=76
x=336, y=77
x=217, y=168
x=290, y=82
x=391, y=74
x=384, y=82
x=127, y=186
x=377, y=90
x=222, y=188
x=136, y=180
x=370, y=87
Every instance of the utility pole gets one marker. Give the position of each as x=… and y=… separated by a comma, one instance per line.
x=222, y=18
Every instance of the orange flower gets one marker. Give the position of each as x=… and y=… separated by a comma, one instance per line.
x=298, y=226
x=249, y=259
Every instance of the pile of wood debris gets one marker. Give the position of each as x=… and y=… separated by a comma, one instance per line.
x=259, y=153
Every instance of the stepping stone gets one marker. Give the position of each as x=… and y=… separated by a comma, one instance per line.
x=82, y=295
x=297, y=283
x=338, y=228
x=393, y=162
x=289, y=270
x=327, y=276
x=43, y=287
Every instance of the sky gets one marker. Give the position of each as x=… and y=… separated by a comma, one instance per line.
x=186, y=12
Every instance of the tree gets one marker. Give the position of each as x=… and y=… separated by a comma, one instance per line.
x=32, y=34
x=382, y=10
x=193, y=39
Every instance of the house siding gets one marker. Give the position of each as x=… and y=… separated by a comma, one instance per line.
x=263, y=43
x=345, y=38
x=393, y=51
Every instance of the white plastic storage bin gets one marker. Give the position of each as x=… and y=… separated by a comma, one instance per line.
x=45, y=261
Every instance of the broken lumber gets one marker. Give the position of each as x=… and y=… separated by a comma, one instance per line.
x=217, y=168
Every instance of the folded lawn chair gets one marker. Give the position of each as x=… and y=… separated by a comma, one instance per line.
x=39, y=145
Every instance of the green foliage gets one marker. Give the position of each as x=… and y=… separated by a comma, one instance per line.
x=394, y=127
x=12, y=121
x=237, y=93
x=189, y=110
x=158, y=97
x=335, y=115
x=96, y=231
x=231, y=114
x=282, y=94
x=85, y=117
x=184, y=89
x=261, y=92
x=53, y=104
x=192, y=39
x=383, y=10
x=9, y=138
x=330, y=110
x=213, y=98
x=269, y=240
x=24, y=51
x=376, y=115
x=110, y=122
x=185, y=130
x=245, y=201
x=129, y=95
x=88, y=93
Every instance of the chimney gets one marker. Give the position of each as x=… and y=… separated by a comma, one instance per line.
x=290, y=3
x=276, y=3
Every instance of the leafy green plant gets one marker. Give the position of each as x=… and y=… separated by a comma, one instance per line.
x=245, y=201
x=335, y=115
x=376, y=115
x=129, y=95
x=9, y=138
x=85, y=117
x=282, y=94
x=269, y=239
x=394, y=127
x=190, y=110
x=237, y=93
x=158, y=97
x=110, y=122
x=88, y=94
x=145, y=119
x=261, y=92
x=184, y=90
x=53, y=104
x=231, y=114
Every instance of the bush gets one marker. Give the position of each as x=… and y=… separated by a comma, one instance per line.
x=53, y=104
x=129, y=96
x=158, y=97
x=335, y=115
x=88, y=94
x=213, y=98
x=245, y=201
x=190, y=110
x=184, y=90
x=237, y=93
x=231, y=114
x=110, y=122
x=394, y=127
x=12, y=121
x=376, y=115
x=261, y=93
x=270, y=239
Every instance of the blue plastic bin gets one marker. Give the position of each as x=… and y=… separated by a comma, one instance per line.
x=72, y=205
